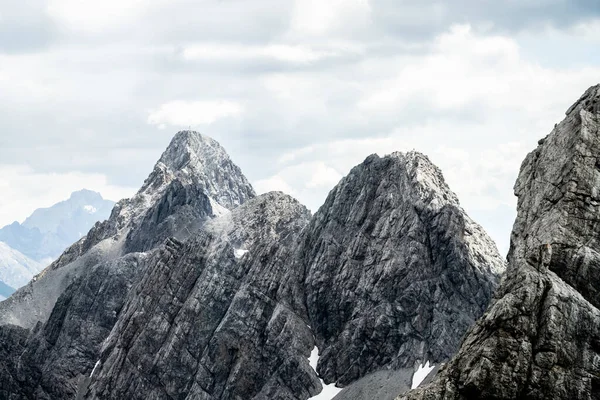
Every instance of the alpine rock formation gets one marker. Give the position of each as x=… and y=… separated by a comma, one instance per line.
x=193, y=181
x=540, y=338
x=393, y=272
x=197, y=289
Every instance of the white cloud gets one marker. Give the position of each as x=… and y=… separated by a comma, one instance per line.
x=323, y=176
x=184, y=113
x=318, y=18
x=464, y=69
x=308, y=181
x=323, y=81
x=295, y=54
x=95, y=15
x=24, y=190
x=274, y=183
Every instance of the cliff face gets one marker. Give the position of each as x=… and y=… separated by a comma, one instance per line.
x=540, y=338
x=196, y=289
x=208, y=324
x=395, y=272
x=389, y=272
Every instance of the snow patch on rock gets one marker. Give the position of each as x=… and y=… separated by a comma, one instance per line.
x=90, y=209
x=420, y=374
x=239, y=253
x=329, y=391
x=95, y=366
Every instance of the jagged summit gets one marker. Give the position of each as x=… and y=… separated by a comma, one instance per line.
x=392, y=255
x=173, y=297
x=192, y=149
x=427, y=178
x=540, y=338
x=193, y=182
x=197, y=159
x=86, y=195
x=589, y=101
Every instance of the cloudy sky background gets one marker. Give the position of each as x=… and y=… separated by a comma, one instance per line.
x=298, y=92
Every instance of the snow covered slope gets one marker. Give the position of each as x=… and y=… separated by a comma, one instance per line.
x=16, y=269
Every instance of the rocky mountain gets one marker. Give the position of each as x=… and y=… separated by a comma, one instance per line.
x=46, y=233
x=540, y=338
x=394, y=271
x=193, y=181
x=197, y=289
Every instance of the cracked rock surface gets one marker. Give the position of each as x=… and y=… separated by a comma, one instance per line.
x=395, y=272
x=540, y=338
x=195, y=291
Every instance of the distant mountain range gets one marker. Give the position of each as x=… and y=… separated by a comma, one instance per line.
x=25, y=249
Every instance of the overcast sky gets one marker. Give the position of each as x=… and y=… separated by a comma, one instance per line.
x=298, y=92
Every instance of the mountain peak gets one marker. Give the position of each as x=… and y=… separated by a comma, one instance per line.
x=191, y=149
x=425, y=179
x=589, y=101
x=550, y=290
x=85, y=195
x=194, y=158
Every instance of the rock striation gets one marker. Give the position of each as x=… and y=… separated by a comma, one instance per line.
x=393, y=270
x=208, y=325
x=197, y=289
x=540, y=338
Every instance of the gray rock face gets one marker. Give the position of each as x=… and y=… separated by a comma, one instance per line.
x=13, y=340
x=209, y=325
x=193, y=181
x=58, y=352
x=177, y=297
x=389, y=272
x=395, y=272
x=540, y=338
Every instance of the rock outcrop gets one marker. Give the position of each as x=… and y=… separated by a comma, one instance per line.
x=175, y=296
x=208, y=324
x=394, y=271
x=540, y=338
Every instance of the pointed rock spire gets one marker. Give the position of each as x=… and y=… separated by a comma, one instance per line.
x=193, y=181
x=540, y=338
x=391, y=265
x=195, y=158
